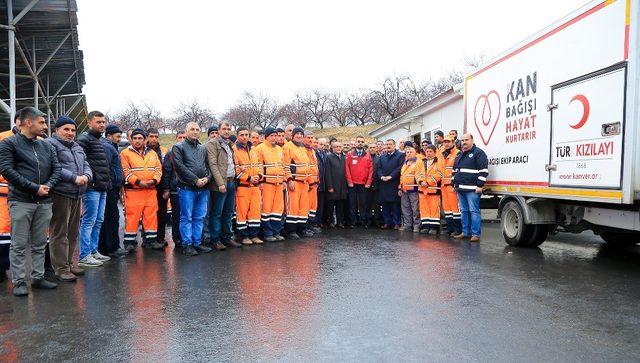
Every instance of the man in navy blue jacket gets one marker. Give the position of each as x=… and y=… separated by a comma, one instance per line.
x=388, y=175
x=109, y=241
x=470, y=172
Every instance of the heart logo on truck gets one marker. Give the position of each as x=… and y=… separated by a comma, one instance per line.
x=486, y=114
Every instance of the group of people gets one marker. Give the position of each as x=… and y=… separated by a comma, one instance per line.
x=60, y=194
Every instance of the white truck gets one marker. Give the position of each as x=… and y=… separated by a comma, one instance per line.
x=558, y=117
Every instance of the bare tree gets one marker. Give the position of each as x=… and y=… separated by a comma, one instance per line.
x=339, y=109
x=142, y=116
x=293, y=113
x=394, y=96
x=361, y=106
x=191, y=111
x=317, y=106
x=254, y=110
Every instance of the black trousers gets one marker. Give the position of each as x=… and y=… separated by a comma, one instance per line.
x=162, y=216
x=374, y=209
x=4, y=257
x=338, y=206
x=175, y=218
x=357, y=204
x=320, y=210
x=109, y=240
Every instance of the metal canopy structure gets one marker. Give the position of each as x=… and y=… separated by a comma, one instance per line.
x=42, y=64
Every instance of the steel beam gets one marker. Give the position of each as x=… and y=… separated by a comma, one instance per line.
x=5, y=107
x=17, y=75
x=12, y=65
x=28, y=64
x=64, y=84
x=23, y=12
x=35, y=79
x=74, y=105
x=57, y=48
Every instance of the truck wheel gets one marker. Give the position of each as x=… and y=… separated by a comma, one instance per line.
x=539, y=235
x=620, y=238
x=514, y=230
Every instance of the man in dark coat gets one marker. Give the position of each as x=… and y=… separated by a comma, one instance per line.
x=320, y=156
x=374, y=213
x=388, y=175
x=336, y=183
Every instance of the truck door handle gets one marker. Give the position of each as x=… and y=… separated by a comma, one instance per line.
x=552, y=107
x=551, y=167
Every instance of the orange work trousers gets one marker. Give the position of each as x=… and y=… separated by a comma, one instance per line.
x=272, y=209
x=451, y=209
x=313, y=203
x=248, y=202
x=298, y=207
x=140, y=203
x=429, y=211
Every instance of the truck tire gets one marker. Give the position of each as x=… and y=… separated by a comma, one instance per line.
x=539, y=235
x=620, y=238
x=514, y=230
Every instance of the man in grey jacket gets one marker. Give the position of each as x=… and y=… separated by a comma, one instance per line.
x=67, y=198
x=31, y=167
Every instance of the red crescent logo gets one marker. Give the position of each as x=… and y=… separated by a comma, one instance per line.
x=586, y=108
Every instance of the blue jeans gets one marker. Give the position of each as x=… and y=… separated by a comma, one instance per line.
x=470, y=209
x=221, y=208
x=93, y=204
x=193, y=209
x=357, y=202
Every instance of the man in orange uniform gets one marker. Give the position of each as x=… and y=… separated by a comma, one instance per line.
x=269, y=159
x=314, y=180
x=408, y=189
x=449, y=195
x=5, y=219
x=248, y=192
x=142, y=172
x=296, y=168
x=430, y=174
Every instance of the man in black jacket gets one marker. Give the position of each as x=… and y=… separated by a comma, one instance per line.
x=193, y=175
x=94, y=200
x=31, y=167
x=170, y=191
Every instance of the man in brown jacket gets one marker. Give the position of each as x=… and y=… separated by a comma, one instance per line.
x=222, y=186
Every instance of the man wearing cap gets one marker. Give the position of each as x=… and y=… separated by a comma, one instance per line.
x=297, y=174
x=212, y=132
x=269, y=158
x=109, y=242
x=5, y=219
x=142, y=171
x=31, y=167
x=67, y=197
x=449, y=195
x=94, y=199
x=222, y=197
x=248, y=197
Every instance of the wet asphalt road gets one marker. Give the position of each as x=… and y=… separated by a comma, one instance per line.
x=346, y=295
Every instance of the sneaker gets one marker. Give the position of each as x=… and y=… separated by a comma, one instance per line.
x=247, y=241
x=270, y=239
x=279, y=237
x=67, y=277
x=100, y=257
x=89, y=261
x=20, y=289
x=189, y=251
x=43, y=284
x=77, y=271
x=308, y=233
x=257, y=240
x=294, y=236
x=118, y=253
x=474, y=239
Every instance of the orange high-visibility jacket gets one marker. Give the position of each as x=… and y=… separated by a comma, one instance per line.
x=140, y=166
x=4, y=186
x=432, y=175
x=269, y=159
x=408, y=176
x=314, y=172
x=448, y=165
x=296, y=162
x=246, y=157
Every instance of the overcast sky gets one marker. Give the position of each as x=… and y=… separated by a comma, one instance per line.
x=168, y=51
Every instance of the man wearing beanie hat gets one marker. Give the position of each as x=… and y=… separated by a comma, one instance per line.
x=297, y=174
x=212, y=132
x=94, y=200
x=109, y=241
x=269, y=158
x=142, y=171
x=67, y=197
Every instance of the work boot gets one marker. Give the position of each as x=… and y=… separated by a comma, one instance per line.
x=294, y=236
x=308, y=233
x=279, y=237
x=257, y=240
x=219, y=246
x=424, y=231
x=340, y=225
x=203, y=249
x=157, y=245
x=43, y=284
x=460, y=236
x=316, y=229
x=77, y=271
x=235, y=244
x=66, y=277
x=130, y=248
x=247, y=241
x=474, y=239
x=189, y=251
x=270, y=239
x=20, y=289
x=385, y=226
